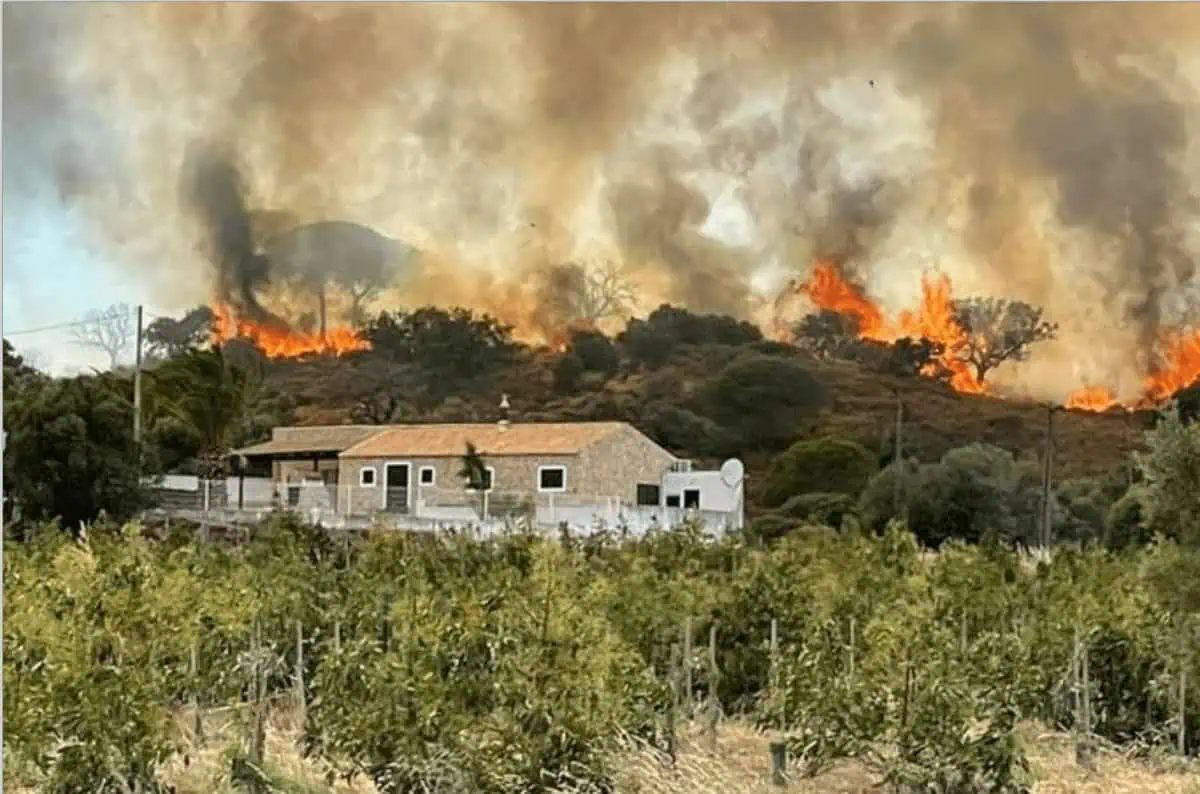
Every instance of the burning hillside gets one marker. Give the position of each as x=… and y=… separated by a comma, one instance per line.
x=280, y=341
x=939, y=319
x=702, y=148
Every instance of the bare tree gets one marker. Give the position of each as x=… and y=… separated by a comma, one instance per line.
x=999, y=330
x=588, y=294
x=110, y=331
x=608, y=293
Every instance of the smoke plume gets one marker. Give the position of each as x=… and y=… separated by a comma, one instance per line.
x=712, y=151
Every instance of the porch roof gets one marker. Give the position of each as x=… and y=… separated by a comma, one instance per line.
x=297, y=440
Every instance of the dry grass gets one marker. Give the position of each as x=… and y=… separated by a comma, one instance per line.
x=740, y=766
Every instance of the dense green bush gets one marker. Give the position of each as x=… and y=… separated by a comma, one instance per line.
x=828, y=465
x=973, y=493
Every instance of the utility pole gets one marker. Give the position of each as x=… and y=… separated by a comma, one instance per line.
x=137, y=383
x=1047, y=479
x=898, y=459
x=321, y=311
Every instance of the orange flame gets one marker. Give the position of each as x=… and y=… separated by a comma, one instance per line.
x=283, y=342
x=1091, y=398
x=934, y=320
x=1179, y=365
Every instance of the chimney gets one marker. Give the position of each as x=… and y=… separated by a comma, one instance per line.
x=503, y=423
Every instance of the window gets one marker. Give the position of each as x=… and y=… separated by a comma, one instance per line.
x=366, y=477
x=552, y=478
x=673, y=500
x=648, y=495
x=691, y=498
x=427, y=475
x=489, y=478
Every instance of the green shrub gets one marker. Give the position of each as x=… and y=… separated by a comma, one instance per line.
x=830, y=509
x=824, y=466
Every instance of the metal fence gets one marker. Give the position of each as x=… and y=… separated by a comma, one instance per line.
x=422, y=507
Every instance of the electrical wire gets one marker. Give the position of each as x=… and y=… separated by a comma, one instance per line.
x=75, y=324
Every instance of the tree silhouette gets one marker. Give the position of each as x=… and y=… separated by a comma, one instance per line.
x=998, y=330
x=475, y=476
x=167, y=337
x=110, y=331
x=200, y=393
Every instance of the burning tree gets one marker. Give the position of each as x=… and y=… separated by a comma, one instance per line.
x=996, y=330
x=827, y=332
x=831, y=334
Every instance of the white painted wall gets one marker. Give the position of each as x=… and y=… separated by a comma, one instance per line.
x=714, y=493
x=256, y=491
x=180, y=482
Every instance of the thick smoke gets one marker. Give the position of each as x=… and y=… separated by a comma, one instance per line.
x=213, y=190
x=1039, y=152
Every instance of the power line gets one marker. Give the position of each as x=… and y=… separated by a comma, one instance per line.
x=57, y=326
x=46, y=328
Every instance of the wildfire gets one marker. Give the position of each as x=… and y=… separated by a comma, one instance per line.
x=283, y=342
x=1091, y=398
x=828, y=288
x=1179, y=365
x=933, y=320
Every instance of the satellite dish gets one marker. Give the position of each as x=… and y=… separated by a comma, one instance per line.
x=732, y=472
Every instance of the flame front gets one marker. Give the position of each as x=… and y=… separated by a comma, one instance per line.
x=1178, y=366
x=283, y=342
x=1091, y=398
x=934, y=320
x=1178, y=357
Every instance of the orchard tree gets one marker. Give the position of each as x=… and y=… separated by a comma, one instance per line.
x=999, y=330
x=1170, y=472
x=1169, y=501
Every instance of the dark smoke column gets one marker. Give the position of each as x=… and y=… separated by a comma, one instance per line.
x=213, y=190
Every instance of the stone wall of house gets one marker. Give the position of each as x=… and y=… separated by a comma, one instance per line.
x=617, y=464
x=511, y=473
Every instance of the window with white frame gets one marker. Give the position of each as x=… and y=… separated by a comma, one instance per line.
x=428, y=476
x=366, y=477
x=552, y=478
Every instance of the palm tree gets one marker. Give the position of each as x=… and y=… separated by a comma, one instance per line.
x=203, y=391
x=475, y=474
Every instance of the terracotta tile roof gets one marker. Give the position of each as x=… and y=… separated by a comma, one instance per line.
x=326, y=438
x=450, y=440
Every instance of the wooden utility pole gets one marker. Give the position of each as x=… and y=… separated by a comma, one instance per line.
x=1047, y=480
x=321, y=309
x=137, y=382
x=898, y=459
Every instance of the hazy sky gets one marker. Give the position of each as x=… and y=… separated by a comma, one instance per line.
x=50, y=279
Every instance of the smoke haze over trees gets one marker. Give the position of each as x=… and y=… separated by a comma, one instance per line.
x=708, y=151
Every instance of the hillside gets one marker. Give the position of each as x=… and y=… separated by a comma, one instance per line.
x=860, y=405
x=939, y=419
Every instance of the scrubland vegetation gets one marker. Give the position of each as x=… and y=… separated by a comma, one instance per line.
x=919, y=644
